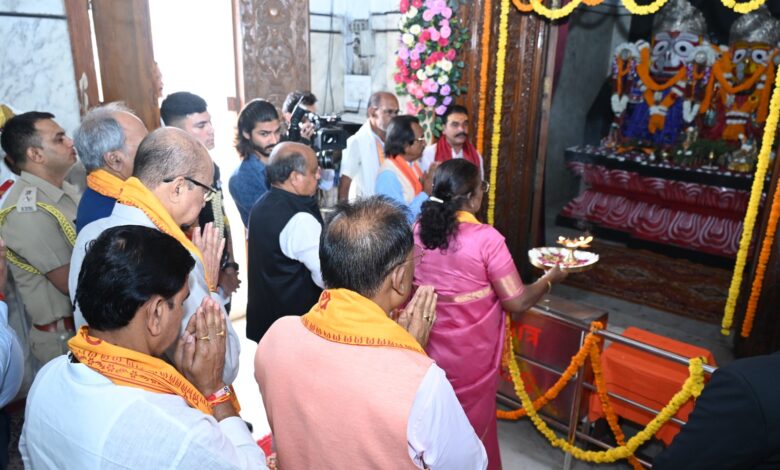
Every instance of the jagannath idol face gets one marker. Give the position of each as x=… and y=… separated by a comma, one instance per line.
x=747, y=57
x=672, y=50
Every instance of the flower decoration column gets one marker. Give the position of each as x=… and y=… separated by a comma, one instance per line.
x=427, y=67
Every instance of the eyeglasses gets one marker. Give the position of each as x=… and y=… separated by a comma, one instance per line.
x=390, y=112
x=485, y=186
x=417, y=255
x=210, y=190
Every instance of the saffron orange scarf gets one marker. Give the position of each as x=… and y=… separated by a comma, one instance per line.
x=135, y=194
x=467, y=217
x=412, y=172
x=346, y=317
x=103, y=182
x=134, y=369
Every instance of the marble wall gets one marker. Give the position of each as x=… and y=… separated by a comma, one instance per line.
x=328, y=56
x=331, y=44
x=36, y=63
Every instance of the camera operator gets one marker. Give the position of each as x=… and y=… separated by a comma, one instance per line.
x=306, y=100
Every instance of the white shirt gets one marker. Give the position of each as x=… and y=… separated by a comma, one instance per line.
x=11, y=359
x=300, y=240
x=438, y=431
x=128, y=215
x=77, y=418
x=429, y=156
x=360, y=161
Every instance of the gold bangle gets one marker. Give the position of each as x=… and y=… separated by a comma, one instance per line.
x=549, y=287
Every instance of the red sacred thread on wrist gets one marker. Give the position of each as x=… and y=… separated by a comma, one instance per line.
x=220, y=396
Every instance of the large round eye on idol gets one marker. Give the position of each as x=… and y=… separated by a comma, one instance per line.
x=684, y=48
x=738, y=55
x=760, y=56
x=660, y=47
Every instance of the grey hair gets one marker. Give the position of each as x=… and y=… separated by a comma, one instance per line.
x=168, y=152
x=100, y=133
x=283, y=164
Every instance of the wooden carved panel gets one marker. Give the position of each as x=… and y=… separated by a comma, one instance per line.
x=275, y=48
x=524, y=120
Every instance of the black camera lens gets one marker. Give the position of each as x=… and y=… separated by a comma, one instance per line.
x=325, y=160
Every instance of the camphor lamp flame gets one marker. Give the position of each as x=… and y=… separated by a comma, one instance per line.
x=571, y=244
x=581, y=242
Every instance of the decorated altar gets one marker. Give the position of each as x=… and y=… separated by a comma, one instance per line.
x=676, y=167
x=692, y=208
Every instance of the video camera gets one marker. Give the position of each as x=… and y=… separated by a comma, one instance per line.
x=329, y=135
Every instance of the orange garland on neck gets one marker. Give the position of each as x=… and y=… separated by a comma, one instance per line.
x=643, y=70
x=724, y=65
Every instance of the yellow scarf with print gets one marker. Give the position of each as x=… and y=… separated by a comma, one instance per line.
x=130, y=368
x=467, y=217
x=103, y=182
x=346, y=317
x=135, y=194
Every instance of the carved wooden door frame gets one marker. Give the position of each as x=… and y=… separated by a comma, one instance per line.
x=272, y=48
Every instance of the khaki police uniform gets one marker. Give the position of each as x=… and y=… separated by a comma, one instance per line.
x=37, y=237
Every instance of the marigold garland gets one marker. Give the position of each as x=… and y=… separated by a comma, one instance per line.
x=643, y=70
x=630, y=5
x=557, y=13
x=743, y=7
x=691, y=388
x=427, y=69
x=524, y=7
x=591, y=341
x=764, y=155
x=635, y=9
x=484, y=67
x=503, y=33
x=606, y=404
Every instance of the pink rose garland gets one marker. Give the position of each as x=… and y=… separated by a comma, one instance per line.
x=426, y=68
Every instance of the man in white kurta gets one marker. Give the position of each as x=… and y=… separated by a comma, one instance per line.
x=365, y=154
x=112, y=402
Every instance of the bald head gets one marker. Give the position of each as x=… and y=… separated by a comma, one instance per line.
x=376, y=98
x=286, y=158
x=169, y=152
x=362, y=243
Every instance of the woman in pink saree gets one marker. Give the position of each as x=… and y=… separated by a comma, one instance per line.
x=475, y=278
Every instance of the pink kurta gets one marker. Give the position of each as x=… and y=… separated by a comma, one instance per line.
x=471, y=277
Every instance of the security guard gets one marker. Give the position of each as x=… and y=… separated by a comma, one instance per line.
x=36, y=221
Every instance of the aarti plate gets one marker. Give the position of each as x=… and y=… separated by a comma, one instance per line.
x=547, y=257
